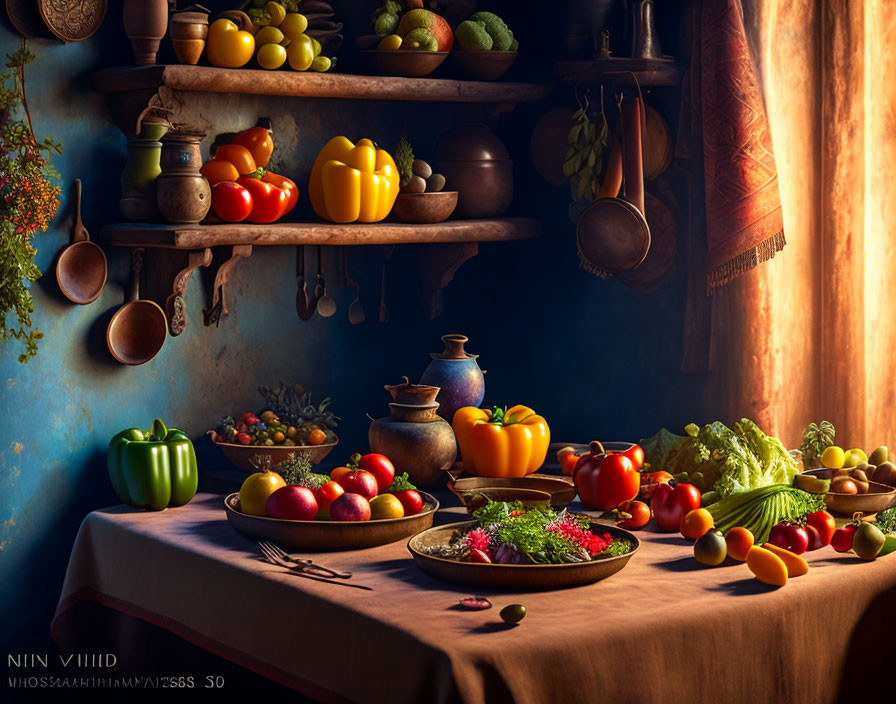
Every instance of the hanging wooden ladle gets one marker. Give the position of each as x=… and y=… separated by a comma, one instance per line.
x=612, y=233
x=137, y=331
x=81, y=268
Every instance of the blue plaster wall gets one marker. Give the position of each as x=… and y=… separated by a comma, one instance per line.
x=595, y=358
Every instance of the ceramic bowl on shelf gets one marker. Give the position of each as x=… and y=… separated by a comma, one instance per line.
x=403, y=62
x=240, y=456
x=425, y=208
x=483, y=65
x=570, y=574
x=878, y=498
x=330, y=535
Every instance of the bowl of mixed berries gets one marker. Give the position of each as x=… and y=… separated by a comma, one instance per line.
x=288, y=423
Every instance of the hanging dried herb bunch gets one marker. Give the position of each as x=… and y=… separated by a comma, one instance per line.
x=29, y=198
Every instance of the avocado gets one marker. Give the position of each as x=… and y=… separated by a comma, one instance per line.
x=868, y=541
x=879, y=456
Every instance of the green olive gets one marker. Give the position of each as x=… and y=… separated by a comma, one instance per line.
x=514, y=613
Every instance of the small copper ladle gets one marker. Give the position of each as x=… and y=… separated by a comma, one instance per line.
x=81, y=267
x=137, y=331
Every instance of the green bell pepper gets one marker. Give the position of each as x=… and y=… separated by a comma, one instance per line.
x=153, y=469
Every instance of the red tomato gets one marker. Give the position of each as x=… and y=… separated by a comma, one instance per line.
x=259, y=143
x=636, y=455
x=843, y=537
x=268, y=201
x=790, y=536
x=815, y=541
x=605, y=481
x=380, y=467
x=359, y=481
x=231, y=202
x=824, y=523
x=671, y=504
x=325, y=495
x=285, y=184
x=640, y=514
x=411, y=501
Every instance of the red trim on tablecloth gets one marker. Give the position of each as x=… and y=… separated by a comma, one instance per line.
x=220, y=649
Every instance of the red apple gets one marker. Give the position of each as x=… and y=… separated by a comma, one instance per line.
x=350, y=507
x=294, y=503
x=359, y=481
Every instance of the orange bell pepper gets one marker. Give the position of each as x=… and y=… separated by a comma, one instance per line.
x=501, y=443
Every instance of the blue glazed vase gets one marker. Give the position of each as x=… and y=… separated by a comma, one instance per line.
x=458, y=376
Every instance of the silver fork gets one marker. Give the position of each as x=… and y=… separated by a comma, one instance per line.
x=306, y=565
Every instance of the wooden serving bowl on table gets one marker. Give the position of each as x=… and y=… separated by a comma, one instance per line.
x=325, y=536
x=561, y=490
x=570, y=574
x=240, y=456
x=878, y=498
x=403, y=62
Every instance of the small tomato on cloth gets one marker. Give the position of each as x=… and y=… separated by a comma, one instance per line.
x=604, y=481
x=672, y=503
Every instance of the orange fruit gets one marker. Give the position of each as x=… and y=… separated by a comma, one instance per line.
x=695, y=523
x=739, y=541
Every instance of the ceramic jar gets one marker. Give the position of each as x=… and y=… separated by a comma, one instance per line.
x=458, y=376
x=414, y=437
x=145, y=22
x=138, y=180
x=182, y=193
x=188, y=31
x=476, y=164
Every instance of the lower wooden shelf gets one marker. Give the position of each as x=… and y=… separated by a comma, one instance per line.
x=323, y=233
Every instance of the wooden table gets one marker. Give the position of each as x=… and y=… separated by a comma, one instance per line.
x=663, y=629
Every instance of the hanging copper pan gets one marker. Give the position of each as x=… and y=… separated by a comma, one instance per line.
x=612, y=233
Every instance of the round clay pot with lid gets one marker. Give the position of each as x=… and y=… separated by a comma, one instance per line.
x=476, y=164
x=414, y=437
x=188, y=30
x=182, y=193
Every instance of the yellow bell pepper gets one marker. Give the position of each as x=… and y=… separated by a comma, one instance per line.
x=352, y=183
x=229, y=45
x=501, y=443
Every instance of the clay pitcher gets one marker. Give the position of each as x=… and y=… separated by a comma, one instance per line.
x=145, y=22
x=458, y=376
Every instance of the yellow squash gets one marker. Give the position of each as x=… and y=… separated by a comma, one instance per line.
x=501, y=443
x=353, y=183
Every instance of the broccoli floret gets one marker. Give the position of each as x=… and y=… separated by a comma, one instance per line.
x=472, y=36
x=514, y=45
x=502, y=37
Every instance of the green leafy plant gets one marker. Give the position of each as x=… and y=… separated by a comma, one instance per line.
x=404, y=159
x=29, y=199
x=816, y=439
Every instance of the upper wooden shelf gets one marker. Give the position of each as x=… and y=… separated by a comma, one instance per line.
x=313, y=85
x=621, y=71
x=324, y=233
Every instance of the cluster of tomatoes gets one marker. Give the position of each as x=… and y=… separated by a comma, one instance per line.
x=241, y=187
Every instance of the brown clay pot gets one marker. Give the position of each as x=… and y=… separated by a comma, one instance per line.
x=145, y=22
x=188, y=31
x=182, y=193
x=476, y=164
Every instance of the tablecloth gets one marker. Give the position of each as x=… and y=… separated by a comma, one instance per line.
x=663, y=629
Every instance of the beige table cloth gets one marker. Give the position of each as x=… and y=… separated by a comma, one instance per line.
x=663, y=629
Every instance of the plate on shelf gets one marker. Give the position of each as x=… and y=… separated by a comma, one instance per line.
x=571, y=574
x=325, y=536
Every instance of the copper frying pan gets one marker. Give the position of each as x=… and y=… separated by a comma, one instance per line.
x=137, y=331
x=612, y=233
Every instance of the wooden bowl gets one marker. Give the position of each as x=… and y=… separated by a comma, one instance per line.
x=329, y=535
x=525, y=577
x=878, y=498
x=240, y=456
x=403, y=62
x=425, y=207
x=477, y=498
x=483, y=65
x=562, y=491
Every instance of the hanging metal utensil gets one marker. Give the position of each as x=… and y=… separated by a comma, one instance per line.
x=303, y=300
x=326, y=306
x=356, y=314
x=612, y=233
x=138, y=329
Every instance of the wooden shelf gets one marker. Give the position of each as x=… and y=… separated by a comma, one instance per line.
x=621, y=71
x=313, y=85
x=324, y=233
